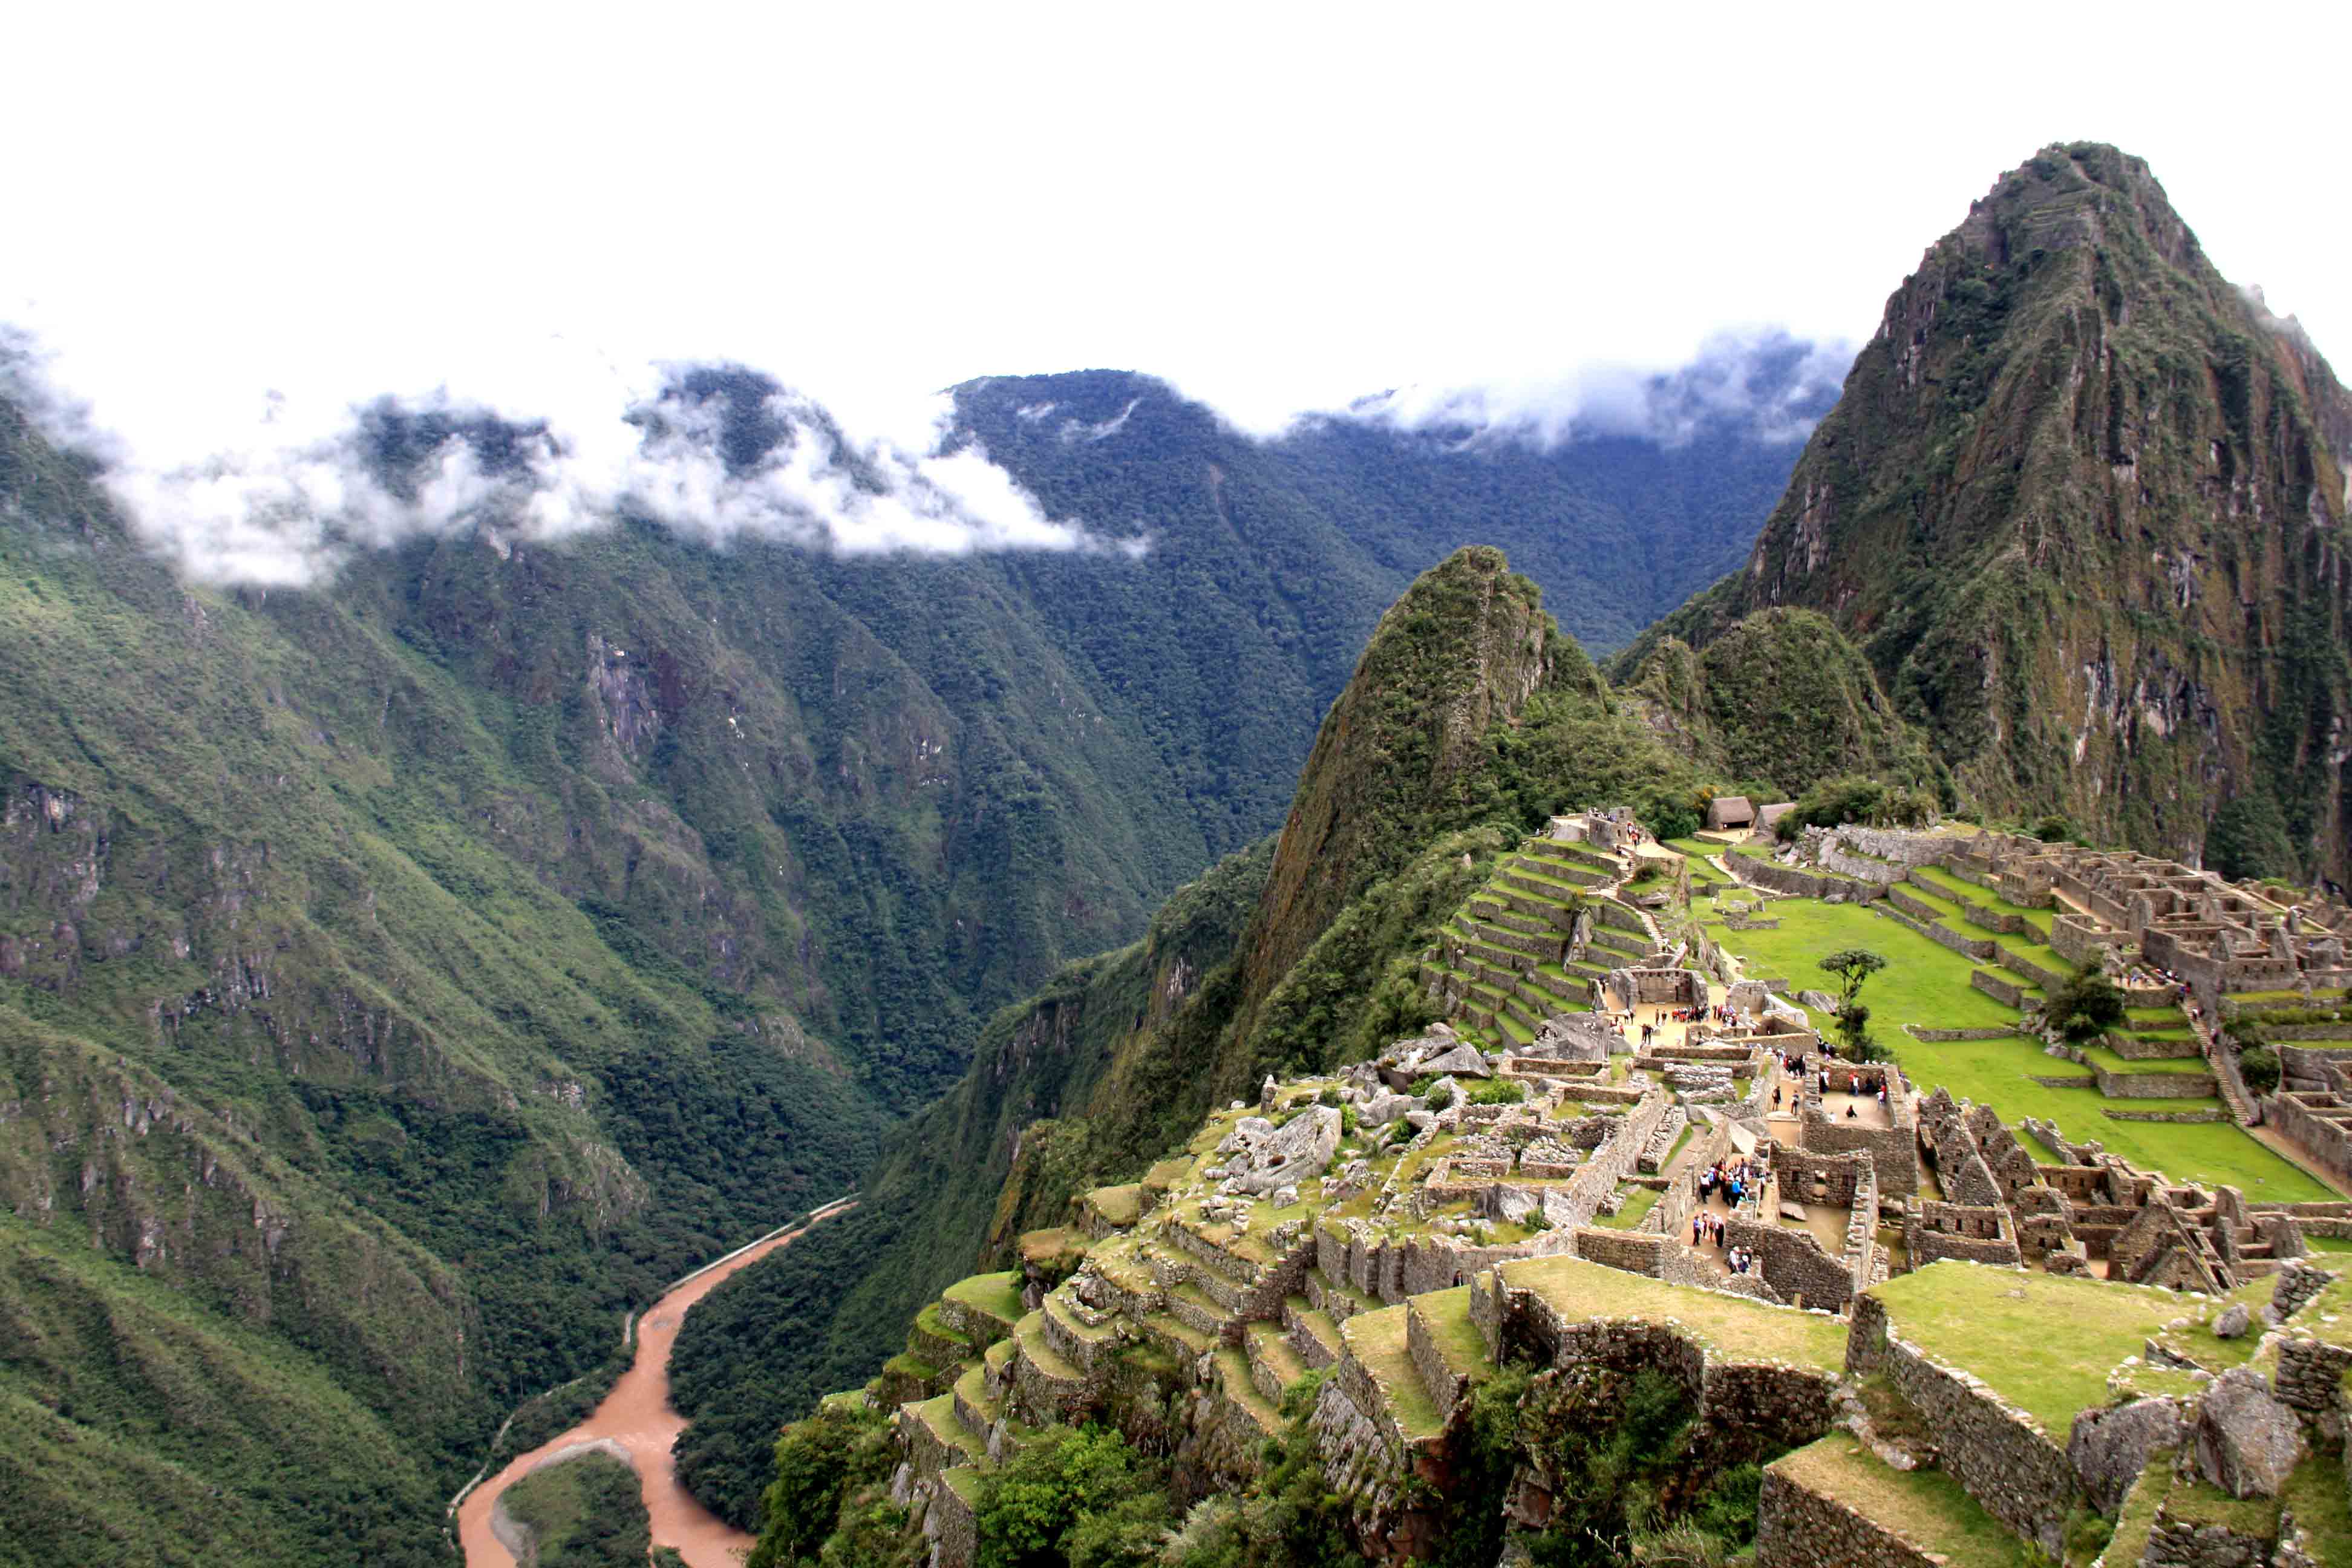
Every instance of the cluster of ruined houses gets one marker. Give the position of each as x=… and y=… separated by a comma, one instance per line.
x=2089, y=1213
x=2215, y=937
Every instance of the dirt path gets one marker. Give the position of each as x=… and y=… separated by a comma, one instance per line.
x=637, y=1416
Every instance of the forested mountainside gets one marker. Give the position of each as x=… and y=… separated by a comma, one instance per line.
x=401, y=978
x=1338, y=513
x=1469, y=719
x=2082, y=506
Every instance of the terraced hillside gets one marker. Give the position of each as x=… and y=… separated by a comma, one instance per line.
x=1965, y=962
x=1533, y=942
x=1961, y=1413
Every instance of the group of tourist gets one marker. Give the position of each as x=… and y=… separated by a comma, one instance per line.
x=1730, y=1177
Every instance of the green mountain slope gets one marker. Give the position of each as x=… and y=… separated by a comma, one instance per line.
x=1470, y=719
x=1778, y=700
x=411, y=973
x=2082, y=507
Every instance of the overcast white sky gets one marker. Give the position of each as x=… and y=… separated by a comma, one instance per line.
x=1276, y=206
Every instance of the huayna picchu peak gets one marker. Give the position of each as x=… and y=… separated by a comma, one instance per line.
x=2083, y=505
x=1583, y=965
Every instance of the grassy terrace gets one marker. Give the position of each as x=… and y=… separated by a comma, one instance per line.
x=1639, y=1202
x=1926, y=1508
x=2045, y=1343
x=1960, y=889
x=1697, y=853
x=1733, y=1327
x=1928, y=986
x=1377, y=1340
x=998, y=1295
x=2188, y=1065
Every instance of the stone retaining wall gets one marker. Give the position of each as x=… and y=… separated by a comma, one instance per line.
x=2152, y=1084
x=1982, y=950
x=2326, y=1142
x=1998, y=1452
x=953, y=1528
x=1860, y=868
x=1797, y=1527
x=2001, y=988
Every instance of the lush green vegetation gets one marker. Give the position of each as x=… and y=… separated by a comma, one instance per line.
x=1632, y=1469
x=587, y=1512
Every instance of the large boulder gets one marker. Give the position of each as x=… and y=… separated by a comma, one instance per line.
x=1383, y=1108
x=1575, y=1038
x=2248, y=1443
x=2111, y=1445
x=1818, y=1001
x=2233, y=1323
x=1461, y=1061
x=1283, y=1156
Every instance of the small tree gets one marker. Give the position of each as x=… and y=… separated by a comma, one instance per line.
x=1853, y=966
x=2085, y=1006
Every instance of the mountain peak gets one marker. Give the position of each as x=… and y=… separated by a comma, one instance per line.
x=2082, y=504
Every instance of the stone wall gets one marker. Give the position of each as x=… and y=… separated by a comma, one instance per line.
x=1894, y=1151
x=953, y=1528
x=2080, y=940
x=1797, y=1527
x=1901, y=845
x=1653, y=1254
x=2001, y=988
x=2151, y=1085
x=1981, y=950
x=2324, y=1142
x=1998, y=1452
x=1791, y=882
x=1836, y=858
x=1973, y=1233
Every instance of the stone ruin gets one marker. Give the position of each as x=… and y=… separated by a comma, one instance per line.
x=2092, y=1214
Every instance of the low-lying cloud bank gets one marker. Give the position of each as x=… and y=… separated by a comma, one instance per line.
x=1766, y=385
x=717, y=453
x=721, y=452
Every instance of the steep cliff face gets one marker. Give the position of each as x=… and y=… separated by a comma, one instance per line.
x=2083, y=505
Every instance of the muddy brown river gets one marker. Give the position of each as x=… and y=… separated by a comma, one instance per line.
x=636, y=1417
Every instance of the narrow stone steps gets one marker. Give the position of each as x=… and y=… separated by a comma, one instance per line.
x=1234, y=1382
x=1274, y=1365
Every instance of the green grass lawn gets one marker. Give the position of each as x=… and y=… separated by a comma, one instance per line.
x=1736, y=1328
x=2044, y=1343
x=2100, y=1055
x=1639, y=1202
x=1928, y=986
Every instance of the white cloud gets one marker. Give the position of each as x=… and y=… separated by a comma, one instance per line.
x=290, y=496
